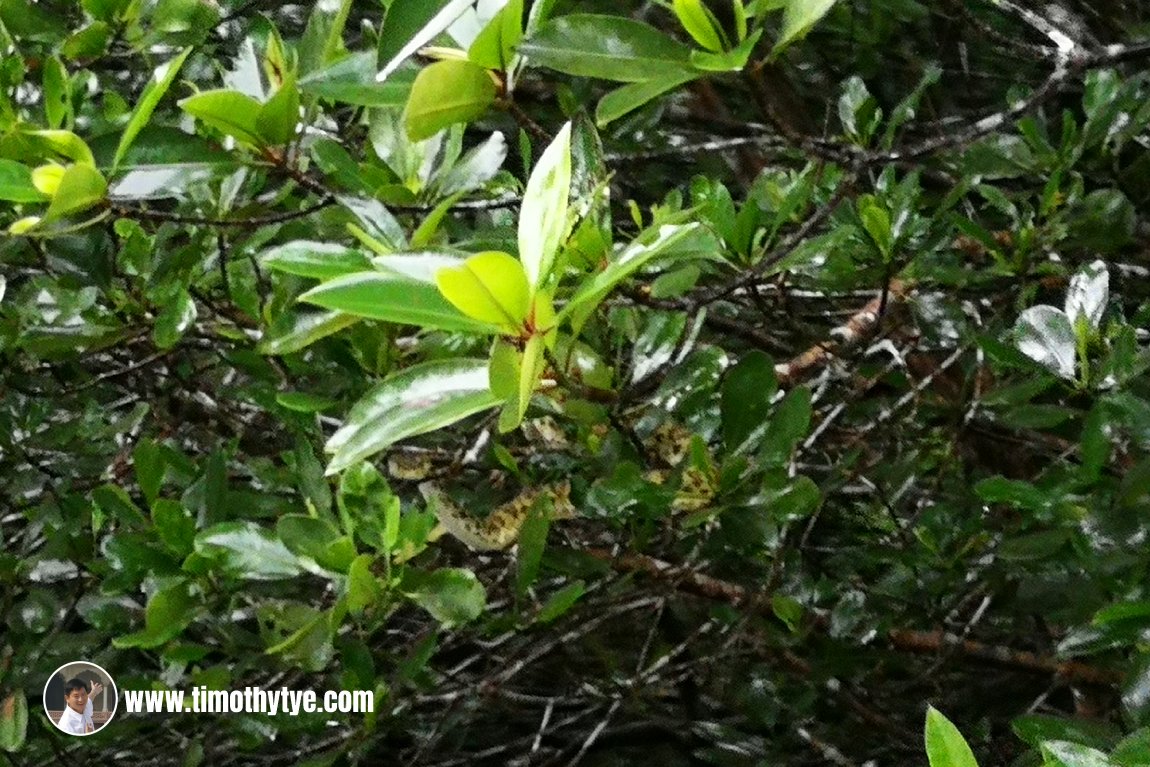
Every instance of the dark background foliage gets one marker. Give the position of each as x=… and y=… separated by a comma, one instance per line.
x=927, y=515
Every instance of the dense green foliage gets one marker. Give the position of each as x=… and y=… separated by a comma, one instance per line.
x=282, y=287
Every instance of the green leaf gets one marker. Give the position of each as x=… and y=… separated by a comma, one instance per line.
x=298, y=330
x=16, y=183
x=81, y=187
x=452, y=595
x=157, y=86
x=798, y=19
x=560, y=602
x=788, y=425
x=56, y=93
x=699, y=23
x=177, y=315
x=303, y=402
x=748, y=390
x=605, y=47
x=420, y=399
x=657, y=241
x=148, y=461
x=494, y=46
x=63, y=143
x=411, y=24
x=317, y=539
x=729, y=61
x=363, y=588
x=321, y=260
x=380, y=296
x=490, y=287
x=277, y=119
x=246, y=550
x=168, y=613
x=175, y=526
x=445, y=93
x=543, y=214
x=1135, y=484
x=1062, y=753
x=532, y=541
x=13, y=721
x=628, y=98
x=116, y=502
x=351, y=80
x=89, y=42
x=236, y=114
x=945, y=746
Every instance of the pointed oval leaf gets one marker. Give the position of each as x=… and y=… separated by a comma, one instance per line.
x=278, y=118
x=380, y=296
x=16, y=183
x=81, y=187
x=1045, y=335
x=696, y=19
x=445, y=93
x=452, y=595
x=321, y=260
x=543, y=216
x=605, y=47
x=491, y=287
x=945, y=746
x=417, y=400
x=798, y=19
x=161, y=80
x=298, y=330
x=236, y=114
x=630, y=97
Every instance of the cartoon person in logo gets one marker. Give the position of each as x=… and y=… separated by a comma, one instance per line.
x=77, y=717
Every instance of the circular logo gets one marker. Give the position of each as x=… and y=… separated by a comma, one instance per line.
x=80, y=697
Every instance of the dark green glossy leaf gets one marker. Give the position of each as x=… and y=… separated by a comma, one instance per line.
x=605, y=47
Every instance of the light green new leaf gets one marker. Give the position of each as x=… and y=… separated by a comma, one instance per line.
x=380, y=296
x=605, y=47
x=161, y=80
x=452, y=595
x=491, y=287
x=320, y=260
x=16, y=183
x=945, y=746
x=64, y=143
x=81, y=187
x=236, y=114
x=631, y=96
x=699, y=23
x=798, y=19
x=420, y=399
x=543, y=214
x=529, y=374
x=727, y=61
x=445, y=93
x=277, y=119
